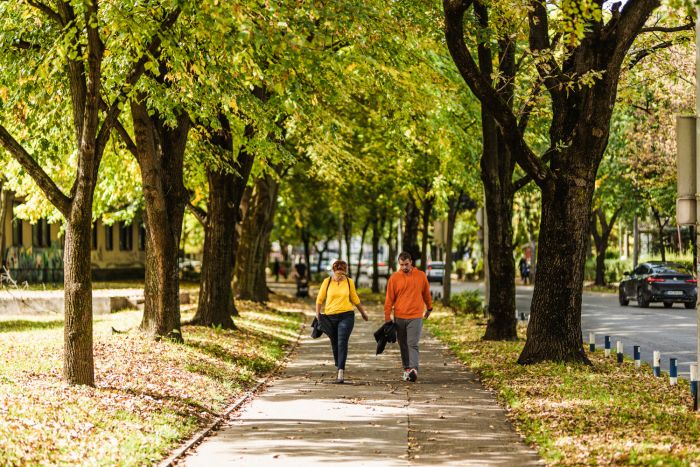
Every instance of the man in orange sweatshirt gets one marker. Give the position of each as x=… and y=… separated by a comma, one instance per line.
x=408, y=296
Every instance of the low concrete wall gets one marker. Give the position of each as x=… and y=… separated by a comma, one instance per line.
x=26, y=304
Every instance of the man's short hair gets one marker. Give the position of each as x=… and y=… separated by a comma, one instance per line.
x=405, y=255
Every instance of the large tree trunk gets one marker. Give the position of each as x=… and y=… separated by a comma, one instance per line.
x=425, y=231
x=554, y=330
x=410, y=231
x=660, y=225
x=161, y=152
x=496, y=174
x=451, y=220
x=216, y=306
x=78, y=364
x=255, y=240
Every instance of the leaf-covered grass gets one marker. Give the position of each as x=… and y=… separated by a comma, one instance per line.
x=577, y=414
x=149, y=395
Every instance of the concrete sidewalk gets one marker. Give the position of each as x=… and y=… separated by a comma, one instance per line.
x=303, y=418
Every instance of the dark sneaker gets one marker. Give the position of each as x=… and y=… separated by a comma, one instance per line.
x=412, y=375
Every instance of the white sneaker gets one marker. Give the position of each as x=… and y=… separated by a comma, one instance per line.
x=406, y=375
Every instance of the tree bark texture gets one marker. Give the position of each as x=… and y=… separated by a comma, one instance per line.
x=216, y=306
x=161, y=152
x=392, y=249
x=255, y=240
x=347, y=236
x=362, y=249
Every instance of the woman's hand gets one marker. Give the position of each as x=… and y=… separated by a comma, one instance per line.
x=364, y=315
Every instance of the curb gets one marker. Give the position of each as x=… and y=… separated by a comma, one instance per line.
x=200, y=435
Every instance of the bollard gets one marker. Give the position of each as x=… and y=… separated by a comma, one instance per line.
x=694, y=384
x=620, y=355
x=637, y=357
x=673, y=372
x=607, y=346
x=657, y=363
x=522, y=316
x=591, y=342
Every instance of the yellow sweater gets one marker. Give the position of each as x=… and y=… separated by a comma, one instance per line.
x=339, y=299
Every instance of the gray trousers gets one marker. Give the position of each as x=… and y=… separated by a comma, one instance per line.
x=408, y=334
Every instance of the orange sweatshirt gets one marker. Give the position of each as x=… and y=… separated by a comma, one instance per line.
x=408, y=294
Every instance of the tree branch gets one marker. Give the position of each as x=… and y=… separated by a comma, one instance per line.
x=47, y=10
x=482, y=89
x=137, y=70
x=40, y=177
x=684, y=27
x=639, y=56
x=198, y=212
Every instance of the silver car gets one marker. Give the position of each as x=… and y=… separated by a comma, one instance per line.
x=435, y=271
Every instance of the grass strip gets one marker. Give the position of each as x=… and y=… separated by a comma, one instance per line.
x=149, y=396
x=575, y=414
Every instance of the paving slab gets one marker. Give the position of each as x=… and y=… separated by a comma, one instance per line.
x=303, y=418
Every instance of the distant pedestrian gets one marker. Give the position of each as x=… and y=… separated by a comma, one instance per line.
x=408, y=296
x=337, y=296
x=276, y=269
x=524, y=267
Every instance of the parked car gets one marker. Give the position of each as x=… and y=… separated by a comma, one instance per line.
x=657, y=281
x=435, y=271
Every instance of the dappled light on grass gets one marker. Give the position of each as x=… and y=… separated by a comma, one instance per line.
x=578, y=414
x=149, y=394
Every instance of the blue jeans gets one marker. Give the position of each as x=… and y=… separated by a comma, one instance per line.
x=339, y=327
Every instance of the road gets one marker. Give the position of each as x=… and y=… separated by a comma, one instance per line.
x=672, y=331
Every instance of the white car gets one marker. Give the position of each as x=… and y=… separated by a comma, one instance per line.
x=435, y=271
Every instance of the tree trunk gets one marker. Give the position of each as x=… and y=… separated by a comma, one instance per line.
x=496, y=174
x=451, y=220
x=660, y=225
x=347, y=235
x=216, y=306
x=307, y=252
x=601, y=240
x=362, y=248
x=161, y=152
x=320, y=255
x=636, y=239
x=427, y=210
x=392, y=249
x=554, y=330
x=3, y=215
x=78, y=364
x=410, y=232
x=376, y=235
x=255, y=240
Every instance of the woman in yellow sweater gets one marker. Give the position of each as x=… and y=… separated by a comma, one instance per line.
x=338, y=293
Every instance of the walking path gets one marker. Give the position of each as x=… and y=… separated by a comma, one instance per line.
x=303, y=418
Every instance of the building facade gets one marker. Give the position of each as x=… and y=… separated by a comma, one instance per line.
x=34, y=252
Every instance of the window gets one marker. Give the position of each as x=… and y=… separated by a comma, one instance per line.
x=16, y=232
x=126, y=239
x=41, y=234
x=142, y=237
x=94, y=235
x=109, y=238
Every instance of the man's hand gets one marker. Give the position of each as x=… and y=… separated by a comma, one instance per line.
x=388, y=321
x=426, y=315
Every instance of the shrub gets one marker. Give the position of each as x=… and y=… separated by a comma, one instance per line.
x=467, y=302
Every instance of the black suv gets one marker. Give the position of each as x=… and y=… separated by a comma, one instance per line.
x=657, y=281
